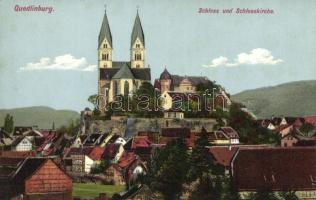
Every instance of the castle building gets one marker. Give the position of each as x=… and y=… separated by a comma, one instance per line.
x=176, y=83
x=120, y=77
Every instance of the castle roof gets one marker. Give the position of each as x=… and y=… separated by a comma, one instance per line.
x=105, y=32
x=165, y=75
x=137, y=31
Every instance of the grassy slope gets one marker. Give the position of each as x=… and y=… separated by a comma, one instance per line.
x=93, y=190
x=289, y=99
x=41, y=116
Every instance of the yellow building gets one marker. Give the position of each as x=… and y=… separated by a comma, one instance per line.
x=120, y=77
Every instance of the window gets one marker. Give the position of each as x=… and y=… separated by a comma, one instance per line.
x=138, y=56
x=137, y=45
x=105, y=56
x=137, y=66
x=126, y=89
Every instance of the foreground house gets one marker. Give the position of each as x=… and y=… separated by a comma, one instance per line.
x=275, y=169
x=33, y=178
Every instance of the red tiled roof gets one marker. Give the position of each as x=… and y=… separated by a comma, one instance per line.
x=278, y=169
x=310, y=120
x=17, y=154
x=140, y=142
x=111, y=150
x=223, y=154
x=230, y=132
x=96, y=153
x=175, y=132
x=79, y=151
x=217, y=135
x=126, y=159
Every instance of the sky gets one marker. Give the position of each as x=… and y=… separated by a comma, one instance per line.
x=50, y=59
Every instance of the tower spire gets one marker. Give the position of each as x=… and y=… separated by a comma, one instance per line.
x=137, y=31
x=105, y=32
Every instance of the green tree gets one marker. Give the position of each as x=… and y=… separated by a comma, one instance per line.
x=169, y=168
x=100, y=168
x=93, y=99
x=289, y=195
x=306, y=129
x=230, y=191
x=249, y=131
x=200, y=159
x=8, y=123
x=263, y=194
x=71, y=129
x=205, y=190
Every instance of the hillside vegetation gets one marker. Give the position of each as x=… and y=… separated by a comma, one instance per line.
x=289, y=99
x=41, y=116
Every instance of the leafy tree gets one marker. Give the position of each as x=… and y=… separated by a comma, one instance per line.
x=168, y=170
x=263, y=194
x=93, y=99
x=249, y=131
x=290, y=195
x=8, y=123
x=100, y=168
x=71, y=129
x=306, y=129
x=230, y=191
x=205, y=190
x=200, y=159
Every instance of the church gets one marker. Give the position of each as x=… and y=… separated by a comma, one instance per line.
x=120, y=77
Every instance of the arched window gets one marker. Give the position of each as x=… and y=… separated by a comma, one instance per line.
x=115, y=89
x=126, y=88
x=103, y=56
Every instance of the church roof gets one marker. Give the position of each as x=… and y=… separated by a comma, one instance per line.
x=138, y=73
x=137, y=31
x=105, y=32
x=124, y=72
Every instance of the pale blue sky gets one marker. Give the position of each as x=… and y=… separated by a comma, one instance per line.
x=176, y=35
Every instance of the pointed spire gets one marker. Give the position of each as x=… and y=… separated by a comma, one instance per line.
x=137, y=31
x=105, y=32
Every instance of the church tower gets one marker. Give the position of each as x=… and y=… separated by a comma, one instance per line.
x=137, y=45
x=105, y=47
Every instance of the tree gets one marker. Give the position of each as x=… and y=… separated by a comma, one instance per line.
x=8, y=123
x=205, y=190
x=263, y=194
x=200, y=159
x=290, y=195
x=230, y=191
x=100, y=168
x=168, y=170
x=249, y=131
x=93, y=99
x=71, y=129
x=306, y=129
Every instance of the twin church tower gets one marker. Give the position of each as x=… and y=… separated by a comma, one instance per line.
x=120, y=77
